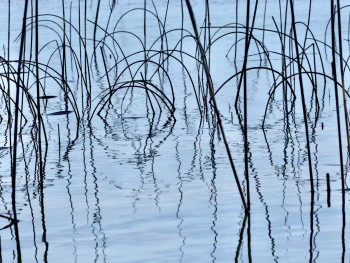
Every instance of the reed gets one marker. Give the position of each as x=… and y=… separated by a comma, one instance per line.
x=328, y=190
x=121, y=68
x=302, y=96
x=38, y=84
x=334, y=69
x=9, y=120
x=15, y=133
x=345, y=112
x=96, y=19
x=110, y=44
x=212, y=94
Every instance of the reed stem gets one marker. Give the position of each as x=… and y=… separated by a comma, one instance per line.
x=212, y=94
x=302, y=96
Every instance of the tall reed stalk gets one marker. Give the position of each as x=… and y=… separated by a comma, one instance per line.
x=38, y=85
x=15, y=131
x=248, y=39
x=245, y=107
x=334, y=68
x=8, y=76
x=96, y=21
x=212, y=94
x=297, y=54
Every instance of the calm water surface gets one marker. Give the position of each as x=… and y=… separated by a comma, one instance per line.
x=133, y=187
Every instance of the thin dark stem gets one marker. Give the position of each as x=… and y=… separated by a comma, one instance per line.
x=15, y=132
x=345, y=112
x=212, y=93
x=246, y=50
x=96, y=20
x=38, y=85
x=8, y=76
x=302, y=96
x=328, y=190
x=245, y=129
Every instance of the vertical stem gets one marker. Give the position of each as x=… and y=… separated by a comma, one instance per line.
x=37, y=84
x=59, y=140
x=208, y=27
x=338, y=115
x=85, y=49
x=263, y=37
x=343, y=88
x=81, y=62
x=64, y=77
x=246, y=51
x=8, y=71
x=245, y=117
x=106, y=70
x=212, y=94
x=15, y=132
x=315, y=66
x=236, y=35
x=145, y=34
x=96, y=20
x=328, y=190
x=302, y=97
x=182, y=26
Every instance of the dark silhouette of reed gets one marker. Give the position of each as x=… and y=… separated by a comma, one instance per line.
x=302, y=96
x=328, y=190
x=15, y=132
x=212, y=94
x=100, y=77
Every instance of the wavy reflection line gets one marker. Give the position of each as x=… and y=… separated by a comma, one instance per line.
x=268, y=148
x=241, y=238
x=27, y=176
x=197, y=152
x=43, y=222
x=4, y=203
x=213, y=195
x=261, y=198
x=41, y=178
x=86, y=192
x=155, y=184
x=249, y=240
x=8, y=137
x=317, y=195
x=296, y=168
x=139, y=166
x=72, y=208
x=97, y=215
x=152, y=156
x=69, y=182
x=263, y=202
x=287, y=140
x=179, y=226
x=184, y=107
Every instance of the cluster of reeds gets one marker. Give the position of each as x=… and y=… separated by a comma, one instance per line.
x=76, y=62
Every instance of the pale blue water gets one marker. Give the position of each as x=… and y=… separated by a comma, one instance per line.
x=133, y=188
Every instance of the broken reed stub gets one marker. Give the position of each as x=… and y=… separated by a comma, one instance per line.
x=328, y=190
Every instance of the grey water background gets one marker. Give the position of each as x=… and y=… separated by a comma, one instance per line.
x=117, y=194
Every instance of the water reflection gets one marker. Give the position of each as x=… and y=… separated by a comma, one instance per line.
x=213, y=196
x=181, y=220
x=135, y=179
x=97, y=215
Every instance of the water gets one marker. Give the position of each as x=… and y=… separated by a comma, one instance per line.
x=133, y=187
